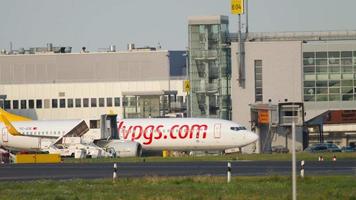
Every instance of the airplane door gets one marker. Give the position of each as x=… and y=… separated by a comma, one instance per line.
x=5, y=137
x=39, y=143
x=109, y=126
x=217, y=131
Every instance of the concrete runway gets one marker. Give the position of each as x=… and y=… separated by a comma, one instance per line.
x=13, y=172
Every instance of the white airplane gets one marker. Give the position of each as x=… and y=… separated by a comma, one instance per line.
x=36, y=136
x=40, y=136
x=24, y=134
x=185, y=133
x=131, y=136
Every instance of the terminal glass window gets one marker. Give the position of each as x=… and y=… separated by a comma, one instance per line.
x=329, y=76
x=23, y=104
x=86, y=102
x=78, y=103
x=46, y=103
x=15, y=104
x=70, y=103
x=125, y=101
x=209, y=69
x=7, y=104
x=117, y=101
x=31, y=104
x=62, y=103
x=39, y=103
x=101, y=102
x=133, y=101
x=109, y=102
x=93, y=102
x=258, y=81
x=54, y=103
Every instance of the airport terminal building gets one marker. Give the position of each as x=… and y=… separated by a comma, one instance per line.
x=264, y=81
x=273, y=79
x=317, y=69
x=138, y=82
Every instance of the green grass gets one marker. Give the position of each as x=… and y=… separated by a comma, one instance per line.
x=300, y=156
x=272, y=187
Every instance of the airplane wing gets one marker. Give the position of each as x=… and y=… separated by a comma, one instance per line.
x=12, y=130
x=79, y=130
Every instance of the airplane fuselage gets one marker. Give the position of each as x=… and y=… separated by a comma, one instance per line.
x=34, y=134
x=185, y=133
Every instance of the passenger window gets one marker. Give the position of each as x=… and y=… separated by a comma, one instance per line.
x=237, y=128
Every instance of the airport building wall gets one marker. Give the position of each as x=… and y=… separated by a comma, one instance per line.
x=87, y=85
x=329, y=75
x=77, y=100
x=272, y=74
x=317, y=69
x=91, y=67
x=277, y=79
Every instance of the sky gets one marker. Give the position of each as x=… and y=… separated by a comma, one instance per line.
x=98, y=24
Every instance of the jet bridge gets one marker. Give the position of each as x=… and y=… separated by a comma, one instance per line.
x=273, y=124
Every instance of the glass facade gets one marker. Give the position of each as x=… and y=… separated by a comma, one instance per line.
x=258, y=81
x=144, y=106
x=210, y=70
x=329, y=76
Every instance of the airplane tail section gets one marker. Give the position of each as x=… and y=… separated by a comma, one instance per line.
x=12, y=117
x=12, y=130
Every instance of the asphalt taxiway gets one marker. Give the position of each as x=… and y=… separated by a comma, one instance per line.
x=11, y=172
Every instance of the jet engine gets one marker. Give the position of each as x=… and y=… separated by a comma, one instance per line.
x=121, y=148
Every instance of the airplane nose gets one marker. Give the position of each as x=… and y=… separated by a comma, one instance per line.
x=252, y=137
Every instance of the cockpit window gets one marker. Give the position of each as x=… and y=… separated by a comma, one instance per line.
x=238, y=128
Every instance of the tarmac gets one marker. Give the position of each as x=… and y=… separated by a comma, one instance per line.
x=18, y=172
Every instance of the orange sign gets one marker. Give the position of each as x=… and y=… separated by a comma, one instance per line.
x=263, y=117
x=340, y=117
